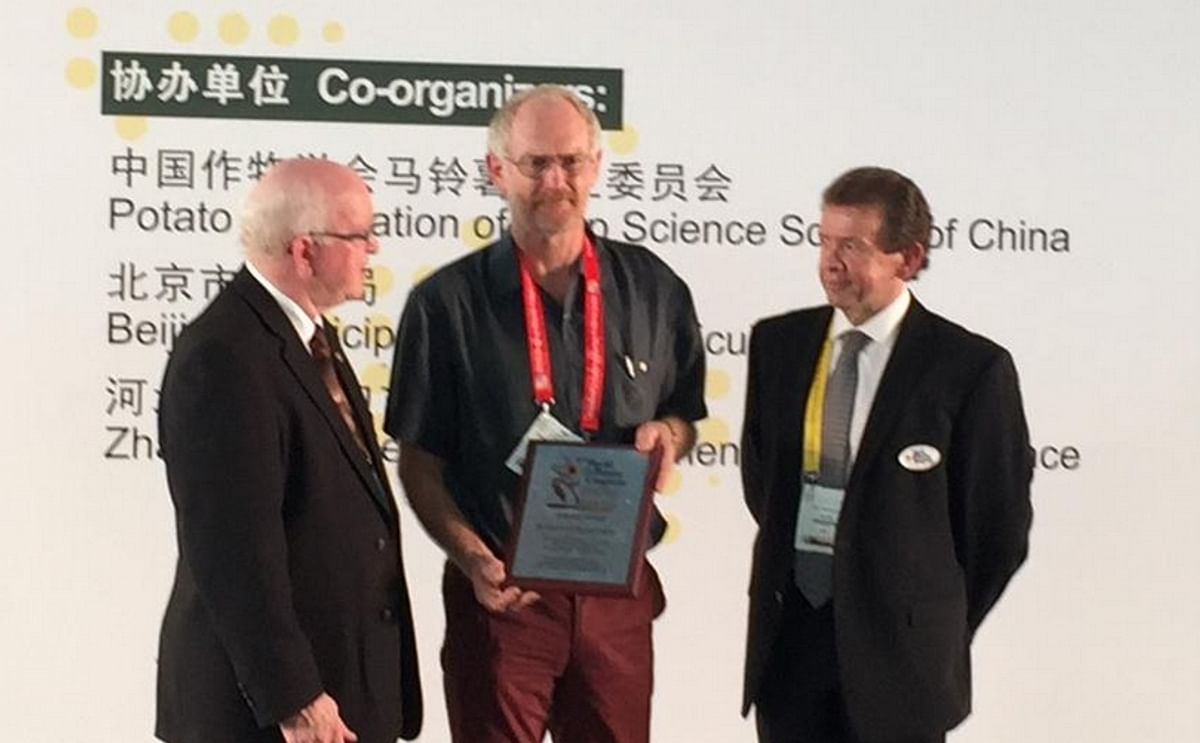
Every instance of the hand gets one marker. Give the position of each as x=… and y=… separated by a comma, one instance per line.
x=658, y=434
x=487, y=576
x=317, y=722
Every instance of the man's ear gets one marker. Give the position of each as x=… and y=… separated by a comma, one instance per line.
x=914, y=259
x=300, y=252
x=495, y=169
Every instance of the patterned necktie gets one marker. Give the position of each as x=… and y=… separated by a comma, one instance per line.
x=814, y=572
x=323, y=355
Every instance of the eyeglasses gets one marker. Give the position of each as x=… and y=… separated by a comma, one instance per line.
x=536, y=166
x=366, y=238
x=846, y=249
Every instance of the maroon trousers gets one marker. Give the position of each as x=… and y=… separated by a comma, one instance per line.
x=581, y=667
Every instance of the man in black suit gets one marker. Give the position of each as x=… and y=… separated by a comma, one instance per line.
x=891, y=493
x=289, y=618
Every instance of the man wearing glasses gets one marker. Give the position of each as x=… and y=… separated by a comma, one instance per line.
x=463, y=396
x=289, y=617
x=886, y=460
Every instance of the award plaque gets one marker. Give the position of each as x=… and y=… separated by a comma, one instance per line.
x=582, y=521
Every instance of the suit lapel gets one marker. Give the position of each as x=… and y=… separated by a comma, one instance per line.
x=302, y=367
x=907, y=363
x=797, y=362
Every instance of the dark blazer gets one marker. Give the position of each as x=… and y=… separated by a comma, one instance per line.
x=920, y=557
x=289, y=580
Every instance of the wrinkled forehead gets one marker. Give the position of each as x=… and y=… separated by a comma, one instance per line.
x=549, y=127
x=352, y=207
x=852, y=220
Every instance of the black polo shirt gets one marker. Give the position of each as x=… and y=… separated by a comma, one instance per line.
x=461, y=387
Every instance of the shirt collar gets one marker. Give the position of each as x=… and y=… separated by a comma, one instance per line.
x=878, y=327
x=305, y=326
x=505, y=275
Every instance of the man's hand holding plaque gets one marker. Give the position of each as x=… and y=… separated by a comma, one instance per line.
x=489, y=580
x=659, y=435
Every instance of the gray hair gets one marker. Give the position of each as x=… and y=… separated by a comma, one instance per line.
x=500, y=128
x=291, y=199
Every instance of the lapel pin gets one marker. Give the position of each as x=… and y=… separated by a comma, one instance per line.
x=919, y=457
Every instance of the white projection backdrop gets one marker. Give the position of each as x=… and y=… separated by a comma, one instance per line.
x=1057, y=143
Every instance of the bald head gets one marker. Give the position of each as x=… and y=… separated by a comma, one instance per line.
x=294, y=198
x=500, y=128
x=307, y=226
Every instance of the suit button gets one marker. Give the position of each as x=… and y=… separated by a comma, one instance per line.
x=779, y=597
x=381, y=544
x=387, y=615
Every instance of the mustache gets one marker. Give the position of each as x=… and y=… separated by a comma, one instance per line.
x=547, y=197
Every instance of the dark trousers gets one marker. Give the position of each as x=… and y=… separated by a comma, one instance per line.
x=800, y=700
x=581, y=667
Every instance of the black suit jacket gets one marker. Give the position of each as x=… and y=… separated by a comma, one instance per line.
x=920, y=557
x=289, y=580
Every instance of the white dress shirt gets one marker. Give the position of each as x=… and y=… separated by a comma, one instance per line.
x=305, y=326
x=882, y=329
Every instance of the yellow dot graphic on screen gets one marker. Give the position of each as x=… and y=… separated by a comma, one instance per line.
x=421, y=274
x=283, y=30
x=716, y=384
x=469, y=230
x=623, y=142
x=183, y=26
x=384, y=280
x=714, y=480
x=674, y=529
x=673, y=483
x=81, y=73
x=715, y=430
x=82, y=23
x=333, y=32
x=374, y=377
x=233, y=28
x=130, y=128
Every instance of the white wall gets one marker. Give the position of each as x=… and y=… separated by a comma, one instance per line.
x=1081, y=117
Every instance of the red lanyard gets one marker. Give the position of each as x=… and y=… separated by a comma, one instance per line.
x=593, y=339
